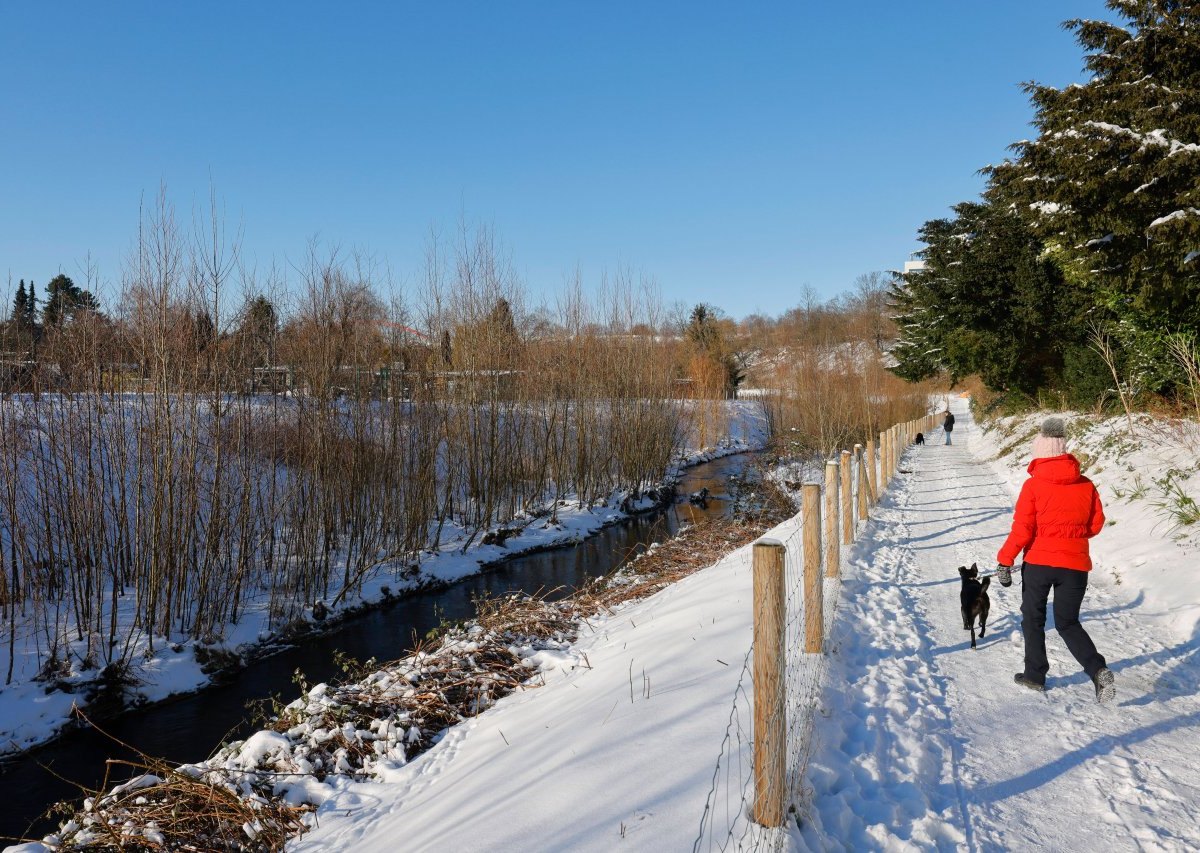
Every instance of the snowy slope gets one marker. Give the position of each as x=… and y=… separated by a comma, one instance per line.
x=617, y=750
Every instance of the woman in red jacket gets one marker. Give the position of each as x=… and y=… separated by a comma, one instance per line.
x=1057, y=512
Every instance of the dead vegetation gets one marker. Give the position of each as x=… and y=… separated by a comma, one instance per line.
x=823, y=371
x=175, y=808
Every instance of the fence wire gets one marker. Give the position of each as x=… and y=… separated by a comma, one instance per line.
x=727, y=822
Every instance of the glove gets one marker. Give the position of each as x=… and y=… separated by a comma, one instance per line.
x=1004, y=574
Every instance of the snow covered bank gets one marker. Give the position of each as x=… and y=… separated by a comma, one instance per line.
x=619, y=746
x=34, y=707
x=919, y=743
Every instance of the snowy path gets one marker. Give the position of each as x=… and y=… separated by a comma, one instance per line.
x=931, y=745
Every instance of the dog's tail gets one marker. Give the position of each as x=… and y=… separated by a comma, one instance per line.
x=986, y=583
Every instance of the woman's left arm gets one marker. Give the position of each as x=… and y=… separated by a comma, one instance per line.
x=1096, y=522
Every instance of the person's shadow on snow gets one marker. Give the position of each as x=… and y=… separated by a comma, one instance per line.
x=1102, y=745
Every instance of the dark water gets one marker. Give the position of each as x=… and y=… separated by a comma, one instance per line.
x=190, y=728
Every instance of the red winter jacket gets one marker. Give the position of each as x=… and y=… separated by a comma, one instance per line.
x=1057, y=512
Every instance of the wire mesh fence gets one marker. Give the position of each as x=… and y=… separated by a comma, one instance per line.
x=757, y=797
x=729, y=822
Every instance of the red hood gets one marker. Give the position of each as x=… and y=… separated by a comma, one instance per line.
x=1055, y=469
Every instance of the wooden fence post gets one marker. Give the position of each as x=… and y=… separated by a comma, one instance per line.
x=770, y=745
x=847, y=504
x=886, y=461
x=872, y=477
x=814, y=600
x=833, y=551
x=864, y=487
x=883, y=454
x=882, y=481
x=891, y=454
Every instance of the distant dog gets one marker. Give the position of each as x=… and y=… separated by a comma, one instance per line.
x=920, y=438
x=975, y=603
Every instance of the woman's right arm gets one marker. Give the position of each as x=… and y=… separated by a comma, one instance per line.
x=1024, y=527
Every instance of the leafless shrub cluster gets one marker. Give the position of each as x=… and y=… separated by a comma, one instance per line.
x=206, y=446
x=828, y=385
x=177, y=808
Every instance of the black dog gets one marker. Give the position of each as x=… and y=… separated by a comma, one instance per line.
x=975, y=602
x=920, y=438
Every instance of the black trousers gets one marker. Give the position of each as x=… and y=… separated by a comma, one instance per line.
x=1069, y=586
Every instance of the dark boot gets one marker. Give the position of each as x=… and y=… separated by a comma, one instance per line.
x=1106, y=689
x=1025, y=681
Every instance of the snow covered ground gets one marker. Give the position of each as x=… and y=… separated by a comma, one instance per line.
x=920, y=743
x=30, y=713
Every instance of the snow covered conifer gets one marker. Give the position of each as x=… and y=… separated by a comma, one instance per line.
x=987, y=302
x=1112, y=182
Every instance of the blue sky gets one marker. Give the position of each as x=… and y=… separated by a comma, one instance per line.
x=733, y=152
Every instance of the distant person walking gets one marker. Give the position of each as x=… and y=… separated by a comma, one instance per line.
x=1058, y=511
x=948, y=425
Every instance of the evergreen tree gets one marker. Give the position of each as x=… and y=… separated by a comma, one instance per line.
x=500, y=322
x=64, y=301
x=20, y=310
x=988, y=302
x=715, y=360
x=85, y=301
x=1112, y=182
x=31, y=306
x=702, y=328
x=58, y=300
x=496, y=342
x=203, y=329
x=258, y=330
